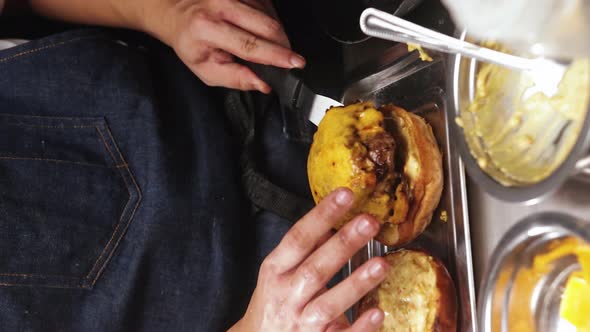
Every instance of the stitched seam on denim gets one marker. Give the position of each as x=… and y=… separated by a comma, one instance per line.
x=120, y=167
x=50, y=117
x=123, y=213
x=106, y=145
x=35, y=50
x=55, y=161
x=132, y=214
x=4, y=284
x=36, y=275
x=106, y=247
x=47, y=127
x=130, y=219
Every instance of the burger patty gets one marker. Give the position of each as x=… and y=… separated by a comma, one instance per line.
x=387, y=151
x=381, y=151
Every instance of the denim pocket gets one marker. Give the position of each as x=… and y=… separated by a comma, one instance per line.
x=67, y=197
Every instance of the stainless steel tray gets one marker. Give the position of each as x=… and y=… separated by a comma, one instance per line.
x=421, y=87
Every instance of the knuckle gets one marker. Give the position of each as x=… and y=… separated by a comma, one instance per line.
x=297, y=239
x=267, y=268
x=244, y=82
x=322, y=312
x=201, y=21
x=274, y=26
x=328, y=209
x=249, y=44
x=201, y=15
x=223, y=13
x=359, y=287
x=347, y=237
x=310, y=273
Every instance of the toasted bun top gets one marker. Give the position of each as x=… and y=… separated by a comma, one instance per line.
x=388, y=157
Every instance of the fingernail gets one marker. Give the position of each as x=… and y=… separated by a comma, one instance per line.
x=343, y=197
x=376, y=270
x=365, y=226
x=377, y=317
x=297, y=61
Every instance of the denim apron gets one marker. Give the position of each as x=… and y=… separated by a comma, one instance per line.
x=120, y=207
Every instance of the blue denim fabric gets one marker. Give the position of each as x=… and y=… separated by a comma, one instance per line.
x=120, y=207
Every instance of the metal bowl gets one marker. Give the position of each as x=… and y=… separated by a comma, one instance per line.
x=514, y=299
x=463, y=73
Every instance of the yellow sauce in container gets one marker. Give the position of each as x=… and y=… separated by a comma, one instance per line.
x=575, y=302
x=520, y=137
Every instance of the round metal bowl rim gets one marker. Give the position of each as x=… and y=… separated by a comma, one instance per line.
x=515, y=236
x=526, y=193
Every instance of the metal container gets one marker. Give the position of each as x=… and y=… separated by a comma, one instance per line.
x=420, y=87
x=512, y=298
x=462, y=80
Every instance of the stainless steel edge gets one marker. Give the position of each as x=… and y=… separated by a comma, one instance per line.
x=462, y=247
x=516, y=250
x=406, y=83
x=583, y=169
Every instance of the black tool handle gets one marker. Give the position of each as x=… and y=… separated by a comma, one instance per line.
x=284, y=82
x=289, y=88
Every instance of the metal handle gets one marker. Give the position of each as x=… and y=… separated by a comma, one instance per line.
x=582, y=169
x=383, y=25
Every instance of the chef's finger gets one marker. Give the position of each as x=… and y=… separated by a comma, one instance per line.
x=245, y=45
x=256, y=22
x=315, y=272
x=266, y=6
x=370, y=321
x=331, y=304
x=230, y=75
x=304, y=236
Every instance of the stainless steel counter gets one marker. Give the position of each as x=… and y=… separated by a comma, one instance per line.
x=490, y=218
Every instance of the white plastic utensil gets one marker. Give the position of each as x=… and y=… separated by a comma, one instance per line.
x=545, y=73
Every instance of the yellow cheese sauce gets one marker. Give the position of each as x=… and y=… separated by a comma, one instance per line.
x=575, y=302
x=519, y=137
x=423, y=55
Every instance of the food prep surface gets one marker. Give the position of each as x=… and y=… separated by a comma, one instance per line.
x=420, y=87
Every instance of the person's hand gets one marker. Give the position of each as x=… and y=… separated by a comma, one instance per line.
x=207, y=34
x=291, y=293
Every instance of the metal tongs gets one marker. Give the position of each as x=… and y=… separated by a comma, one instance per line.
x=545, y=73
